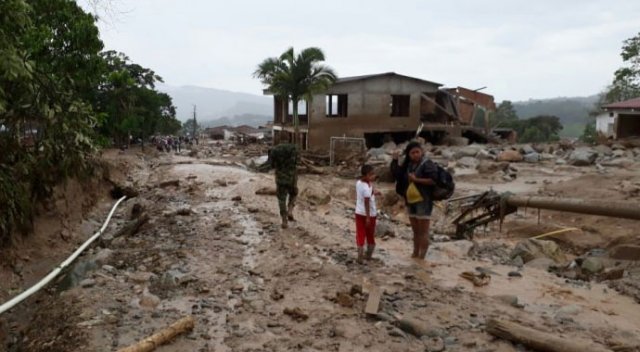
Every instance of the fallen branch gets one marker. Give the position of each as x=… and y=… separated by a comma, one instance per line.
x=163, y=336
x=539, y=340
x=311, y=168
x=128, y=230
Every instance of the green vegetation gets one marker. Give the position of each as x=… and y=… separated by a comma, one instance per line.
x=626, y=80
x=296, y=77
x=537, y=129
x=59, y=96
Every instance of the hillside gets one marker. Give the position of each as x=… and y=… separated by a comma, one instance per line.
x=217, y=103
x=572, y=111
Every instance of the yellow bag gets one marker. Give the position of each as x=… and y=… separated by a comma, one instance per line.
x=413, y=194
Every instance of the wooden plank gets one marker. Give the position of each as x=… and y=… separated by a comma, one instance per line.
x=373, y=303
x=539, y=340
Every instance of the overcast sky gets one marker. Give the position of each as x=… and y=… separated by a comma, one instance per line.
x=518, y=49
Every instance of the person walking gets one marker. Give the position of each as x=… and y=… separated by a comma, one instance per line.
x=284, y=158
x=415, y=179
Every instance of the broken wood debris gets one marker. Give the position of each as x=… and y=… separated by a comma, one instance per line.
x=162, y=337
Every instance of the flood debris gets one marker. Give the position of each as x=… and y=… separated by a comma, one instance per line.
x=296, y=314
x=163, y=336
x=478, y=279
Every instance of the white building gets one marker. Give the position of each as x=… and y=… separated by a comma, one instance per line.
x=620, y=120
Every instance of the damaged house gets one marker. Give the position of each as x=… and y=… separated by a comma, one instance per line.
x=382, y=106
x=620, y=120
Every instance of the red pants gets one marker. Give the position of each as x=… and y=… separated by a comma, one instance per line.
x=362, y=231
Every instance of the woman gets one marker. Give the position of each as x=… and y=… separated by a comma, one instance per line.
x=416, y=172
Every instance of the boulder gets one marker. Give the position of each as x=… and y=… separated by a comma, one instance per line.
x=541, y=263
x=603, y=150
x=468, y=162
x=531, y=249
x=619, y=162
x=484, y=154
x=618, y=146
x=532, y=157
x=510, y=156
x=547, y=156
x=582, y=157
x=619, y=153
x=527, y=149
x=469, y=151
x=414, y=327
x=487, y=167
x=561, y=162
x=316, y=195
x=592, y=265
x=448, y=154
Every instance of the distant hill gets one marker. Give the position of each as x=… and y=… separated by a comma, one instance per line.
x=236, y=108
x=572, y=111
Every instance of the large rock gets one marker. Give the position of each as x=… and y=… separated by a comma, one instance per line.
x=510, y=156
x=316, y=195
x=592, y=265
x=531, y=249
x=487, y=167
x=541, y=263
x=532, y=157
x=619, y=153
x=449, y=250
x=527, y=149
x=603, y=150
x=619, y=162
x=484, y=154
x=583, y=157
x=414, y=327
x=468, y=162
x=469, y=151
x=448, y=154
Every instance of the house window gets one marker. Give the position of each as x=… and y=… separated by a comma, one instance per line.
x=337, y=105
x=302, y=108
x=400, y=105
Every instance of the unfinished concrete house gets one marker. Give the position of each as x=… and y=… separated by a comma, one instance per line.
x=374, y=108
x=620, y=120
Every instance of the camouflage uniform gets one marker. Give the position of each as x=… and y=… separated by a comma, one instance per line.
x=284, y=159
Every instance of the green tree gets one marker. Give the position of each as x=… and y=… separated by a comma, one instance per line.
x=626, y=81
x=505, y=113
x=537, y=129
x=589, y=135
x=296, y=77
x=191, y=128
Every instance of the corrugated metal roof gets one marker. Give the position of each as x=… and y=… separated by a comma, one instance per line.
x=626, y=105
x=377, y=75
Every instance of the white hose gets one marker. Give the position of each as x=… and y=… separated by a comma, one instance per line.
x=52, y=275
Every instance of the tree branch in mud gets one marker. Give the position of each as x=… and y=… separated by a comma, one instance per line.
x=539, y=340
x=162, y=337
x=129, y=229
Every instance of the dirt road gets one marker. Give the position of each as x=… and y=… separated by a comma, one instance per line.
x=213, y=249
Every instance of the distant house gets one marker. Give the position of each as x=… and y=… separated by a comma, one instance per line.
x=230, y=133
x=374, y=108
x=620, y=120
x=217, y=133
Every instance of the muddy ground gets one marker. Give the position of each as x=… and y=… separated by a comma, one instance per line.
x=213, y=249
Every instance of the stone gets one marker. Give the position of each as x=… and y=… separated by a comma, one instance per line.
x=514, y=274
x=414, y=327
x=612, y=274
x=483, y=154
x=532, y=157
x=527, y=149
x=448, y=154
x=582, y=157
x=384, y=229
x=266, y=191
x=141, y=277
x=625, y=252
x=618, y=153
x=620, y=162
x=561, y=162
x=434, y=344
x=468, y=151
x=446, y=250
x=541, y=263
x=531, y=249
x=618, y=146
x=510, y=156
x=603, y=150
x=103, y=256
x=316, y=195
x=344, y=299
x=488, y=167
x=510, y=300
x=149, y=300
x=567, y=312
x=517, y=261
x=547, y=157
x=592, y=265
x=468, y=162
x=87, y=283
x=172, y=278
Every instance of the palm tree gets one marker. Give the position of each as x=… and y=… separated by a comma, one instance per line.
x=296, y=77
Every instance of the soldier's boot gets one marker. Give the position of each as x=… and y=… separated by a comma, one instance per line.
x=292, y=204
x=360, y=259
x=369, y=254
x=285, y=223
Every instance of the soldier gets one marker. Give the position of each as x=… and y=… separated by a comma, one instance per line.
x=284, y=159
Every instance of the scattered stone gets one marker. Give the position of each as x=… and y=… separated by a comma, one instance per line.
x=510, y=156
x=582, y=157
x=612, y=274
x=434, y=344
x=510, y=300
x=356, y=290
x=412, y=326
x=184, y=211
x=541, y=263
x=468, y=162
x=344, y=299
x=531, y=249
x=444, y=250
x=149, y=300
x=395, y=332
x=514, y=274
x=103, y=256
x=532, y=157
x=87, y=283
x=592, y=265
x=140, y=277
x=384, y=230
x=266, y=191
x=296, y=314
x=561, y=162
x=488, y=167
x=172, y=183
x=316, y=196
x=236, y=199
x=567, y=312
x=527, y=149
x=172, y=278
x=485, y=155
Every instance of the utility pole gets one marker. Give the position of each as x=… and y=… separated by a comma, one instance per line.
x=195, y=124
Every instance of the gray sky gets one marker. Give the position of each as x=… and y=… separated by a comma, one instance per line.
x=518, y=49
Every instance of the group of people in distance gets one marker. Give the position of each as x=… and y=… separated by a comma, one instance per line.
x=415, y=175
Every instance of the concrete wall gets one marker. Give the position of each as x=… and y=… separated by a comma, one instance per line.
x=602, y=123
x=368, y=109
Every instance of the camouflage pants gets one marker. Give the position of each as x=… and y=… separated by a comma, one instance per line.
x=282, y=191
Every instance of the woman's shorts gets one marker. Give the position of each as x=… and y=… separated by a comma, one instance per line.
x=421, y=210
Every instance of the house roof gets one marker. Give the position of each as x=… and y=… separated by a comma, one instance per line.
x=246, y=129
x=386, y=74
x=624, y=105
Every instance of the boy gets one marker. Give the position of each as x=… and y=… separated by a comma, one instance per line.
x=365, y=213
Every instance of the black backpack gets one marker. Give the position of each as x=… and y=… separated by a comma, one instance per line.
x=444, y=186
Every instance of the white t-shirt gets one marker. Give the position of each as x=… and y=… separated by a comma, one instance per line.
x=364, y=190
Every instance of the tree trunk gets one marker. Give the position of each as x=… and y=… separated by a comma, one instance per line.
x=296, y=124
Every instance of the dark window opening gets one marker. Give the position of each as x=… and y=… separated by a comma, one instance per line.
x=400, y=105
x=337, y=105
